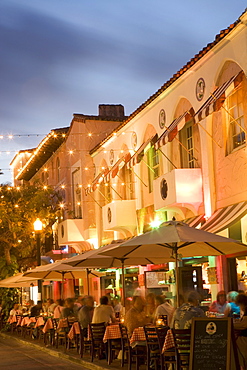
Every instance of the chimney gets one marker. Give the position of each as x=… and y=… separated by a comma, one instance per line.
x=111, y=110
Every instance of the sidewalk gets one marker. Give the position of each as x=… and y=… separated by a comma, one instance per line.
x=60, y=352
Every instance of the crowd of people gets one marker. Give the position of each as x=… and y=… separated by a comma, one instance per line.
x=147, y=311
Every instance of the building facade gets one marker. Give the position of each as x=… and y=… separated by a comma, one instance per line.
x=181, y=154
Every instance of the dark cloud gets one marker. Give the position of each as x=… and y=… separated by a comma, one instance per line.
x=60, y=57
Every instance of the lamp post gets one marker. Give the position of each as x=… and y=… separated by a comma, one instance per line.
x=38, y=226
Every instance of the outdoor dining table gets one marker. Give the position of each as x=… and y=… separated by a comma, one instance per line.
x=139, y=336
x=47, y=326
x=74, y=330
x=112, y=332
x=62, y=323
x=169, y=341
x=26, y=321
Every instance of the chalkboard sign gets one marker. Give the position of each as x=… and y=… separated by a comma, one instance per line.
x=213, y=345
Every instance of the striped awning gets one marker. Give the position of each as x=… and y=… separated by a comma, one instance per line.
x=117, y=166
x=138, y=155
x=172, y=130
x=194, y=221
x=225, y=217
x=214, y=102
x=97, y=180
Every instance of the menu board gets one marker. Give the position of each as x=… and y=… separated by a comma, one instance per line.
x=213, y=345
x=159, y=279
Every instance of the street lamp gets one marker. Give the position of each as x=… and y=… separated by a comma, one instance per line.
x=38, y=226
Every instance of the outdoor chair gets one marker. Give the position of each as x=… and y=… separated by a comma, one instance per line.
x=182, y=347
x=14, y=327
x=137, y=354
x=153, y=350
x=53, y=332
x=168, y=357
x=98, y=347
x=60, y=334
x=83, y=343
x=28, y=329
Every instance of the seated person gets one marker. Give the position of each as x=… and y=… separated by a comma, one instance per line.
x=85, y=314
x=15, y=311
x=30, y=304
x=220, y=304
x=69, y=310
x=163, y=308
x=182, y=317
x=58, y=309
x=136, y=315
x=241, y=331
x=51, y=305
x=117, y=306
x=36, y=310
x=150, y=306
x=232, y=308
x=104, y=312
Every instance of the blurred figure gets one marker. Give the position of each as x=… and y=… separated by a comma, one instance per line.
x=232, y=309
x=241, y=327
x=36, y=310
x=117, y=306
x=51, y=305
x=80, y=301
x=85, y=314
x=15, y=311
x=58, y=309
x=182, y=317
x=136, y=315
x=220, y=304
x=150, y=306
x=137, y=289
x=104, y=312
x=30, y=305
x=163, y=308
x=69, y=310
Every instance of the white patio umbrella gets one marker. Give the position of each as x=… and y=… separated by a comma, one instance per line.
x=94, y=259
x=174, y=238
x=17, y=281
x=57, y=271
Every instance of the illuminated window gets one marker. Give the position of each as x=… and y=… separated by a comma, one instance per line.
x=153, y=161
x=126, y=178
x=105, y=191
x=77, y=199
x=235, y=120
x=187, y=147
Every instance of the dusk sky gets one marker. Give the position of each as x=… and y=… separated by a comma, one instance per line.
x=60, y=57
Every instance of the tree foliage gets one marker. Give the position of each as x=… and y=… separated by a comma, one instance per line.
x=19, y=207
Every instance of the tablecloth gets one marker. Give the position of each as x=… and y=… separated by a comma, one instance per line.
x=137, y=336
x=112, y=332
x=75, y=329
x=169, y=341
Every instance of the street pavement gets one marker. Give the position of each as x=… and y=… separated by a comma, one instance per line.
x=15, y=355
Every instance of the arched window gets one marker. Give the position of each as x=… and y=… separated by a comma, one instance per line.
x=153, y=161
x=187, y=148
x=236, y=137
